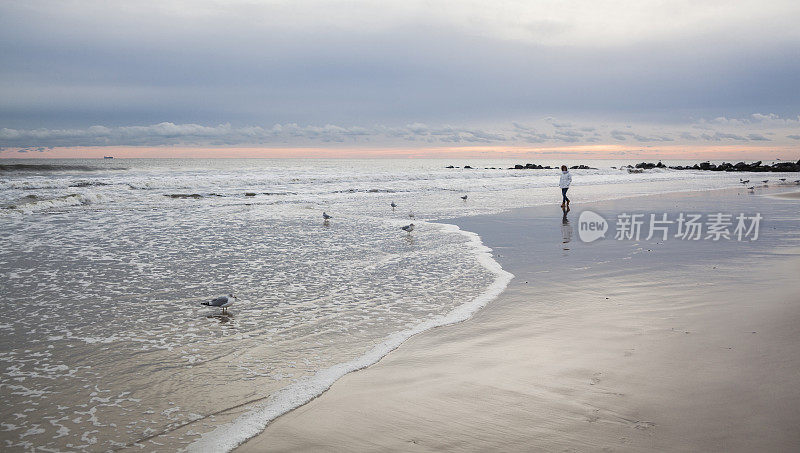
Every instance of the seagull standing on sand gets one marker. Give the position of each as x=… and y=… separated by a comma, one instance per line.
x=393, y=205
x=408, y=228
x=326, y=216
x=765, y=181
x=464, y=198
x=752, y=187
x=745, y=181
x=411, y=215
x=223, y=302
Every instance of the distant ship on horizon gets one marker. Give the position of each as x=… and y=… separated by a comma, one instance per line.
x=108, y=157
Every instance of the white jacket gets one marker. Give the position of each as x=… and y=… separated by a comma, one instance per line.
x=566, y=180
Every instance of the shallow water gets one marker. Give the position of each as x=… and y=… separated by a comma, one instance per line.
x=108, y=261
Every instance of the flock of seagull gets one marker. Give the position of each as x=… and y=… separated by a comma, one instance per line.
x=747, y=181
x=407, y=228
x=226, y=301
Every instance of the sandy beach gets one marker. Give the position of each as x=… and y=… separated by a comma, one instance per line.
x=612, y=346
x=790, y=195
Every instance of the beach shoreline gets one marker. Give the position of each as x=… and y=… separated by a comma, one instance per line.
x=90, y=248
x=419, y=395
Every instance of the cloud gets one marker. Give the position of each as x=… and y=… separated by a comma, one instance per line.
x=24, y=150
x=623, y=135
x=757, y=127
x=68, y=65
x=224, y=134
x=753, y=120
x=169, y=133
x=719, y=136
x=544, y=130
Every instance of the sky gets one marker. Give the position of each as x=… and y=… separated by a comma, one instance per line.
x=599, y=78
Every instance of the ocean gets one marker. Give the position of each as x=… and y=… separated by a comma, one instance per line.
x=104, y=263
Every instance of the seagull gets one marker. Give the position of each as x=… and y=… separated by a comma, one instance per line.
x=393, y=205
x=411, y=215
x=765, y=181
x=408, y=228
x=752, y=187
x=326, y=216
x=223, y=302
x=783, y=179
x=744, y=181
x=464, y=198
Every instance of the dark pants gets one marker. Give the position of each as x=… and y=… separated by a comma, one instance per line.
x=564, y=194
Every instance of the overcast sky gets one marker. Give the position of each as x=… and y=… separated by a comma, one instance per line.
x=399, y=73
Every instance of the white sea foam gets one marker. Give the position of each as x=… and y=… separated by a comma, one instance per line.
x=31, y=204
x=229, y=436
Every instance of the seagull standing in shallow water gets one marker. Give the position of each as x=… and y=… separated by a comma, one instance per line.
x=393, y=205
x=223, y=302
x=408, y=228
x=326, y=216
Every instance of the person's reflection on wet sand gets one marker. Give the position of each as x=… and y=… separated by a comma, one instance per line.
x=566, y=228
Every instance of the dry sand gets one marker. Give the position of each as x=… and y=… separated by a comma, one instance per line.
x=650, y=352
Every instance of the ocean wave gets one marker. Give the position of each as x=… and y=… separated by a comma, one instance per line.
x=35, y=184
x=366, y=191
x=44, y=184
x=89, y=184
x=34, y=203
x=229, y=436
x=213, y=194
x=184, y=195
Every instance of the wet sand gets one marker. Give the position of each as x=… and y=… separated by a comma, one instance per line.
x=790, y=195
x=614, y=345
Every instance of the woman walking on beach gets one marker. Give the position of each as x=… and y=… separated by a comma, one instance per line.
x=566, y=179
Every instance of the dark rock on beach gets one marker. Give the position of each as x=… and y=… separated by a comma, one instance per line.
x=649, y=165
x=740, y=166
x=530, y=167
